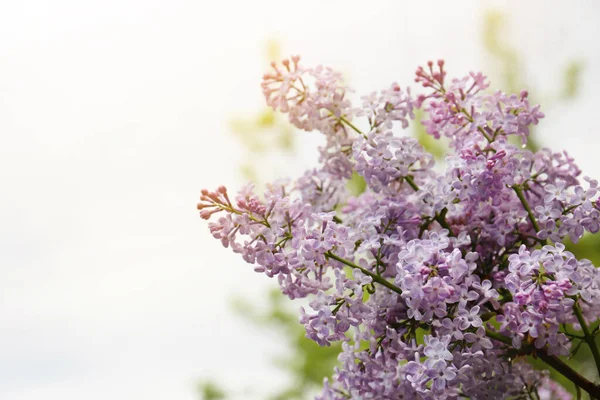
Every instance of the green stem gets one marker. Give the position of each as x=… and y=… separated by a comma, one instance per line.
x=589, y=338
x=409, y=179
x=375, y=277
x=344, y=120
x=570, y=374
x=350, y=124
x=498, y=337
x=441, y=219
x=554, y=362
x=519, y=191
x=480, y=129
x=238, y=212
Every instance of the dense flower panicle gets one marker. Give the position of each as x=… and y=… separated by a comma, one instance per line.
x=463, y=113
x=435, y=280
x=321, y=190
x=385, y=160
x=391, y=105
x=313, y=98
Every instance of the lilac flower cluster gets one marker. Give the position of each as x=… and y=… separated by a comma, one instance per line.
x=436, y=281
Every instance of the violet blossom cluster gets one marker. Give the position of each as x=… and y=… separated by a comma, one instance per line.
x=437, y=279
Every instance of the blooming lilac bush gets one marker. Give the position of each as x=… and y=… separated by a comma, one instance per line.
x=438, y=280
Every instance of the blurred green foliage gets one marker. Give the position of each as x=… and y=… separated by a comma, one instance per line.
x=210, y=391
x=264, y=132
x=572, y=77
x=306, y=362
x=512, y=76
x=506, y=58
x=260, y=134
x=437, y=147
x=356, y=184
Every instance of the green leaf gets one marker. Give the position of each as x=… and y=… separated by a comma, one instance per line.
x=576, y=349
x=587, y=247
x=436, y=147
x=572, y=76
x=356, y=184
x=507, y=59
x=210, y=391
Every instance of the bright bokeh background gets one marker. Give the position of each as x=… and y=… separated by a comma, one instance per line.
x=114, y=114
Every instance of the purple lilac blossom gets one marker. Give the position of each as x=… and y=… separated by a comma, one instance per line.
x=435, y=279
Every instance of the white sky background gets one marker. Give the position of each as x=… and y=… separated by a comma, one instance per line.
x=114, y=114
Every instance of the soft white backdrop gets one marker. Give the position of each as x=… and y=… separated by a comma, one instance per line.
x=113, y=115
